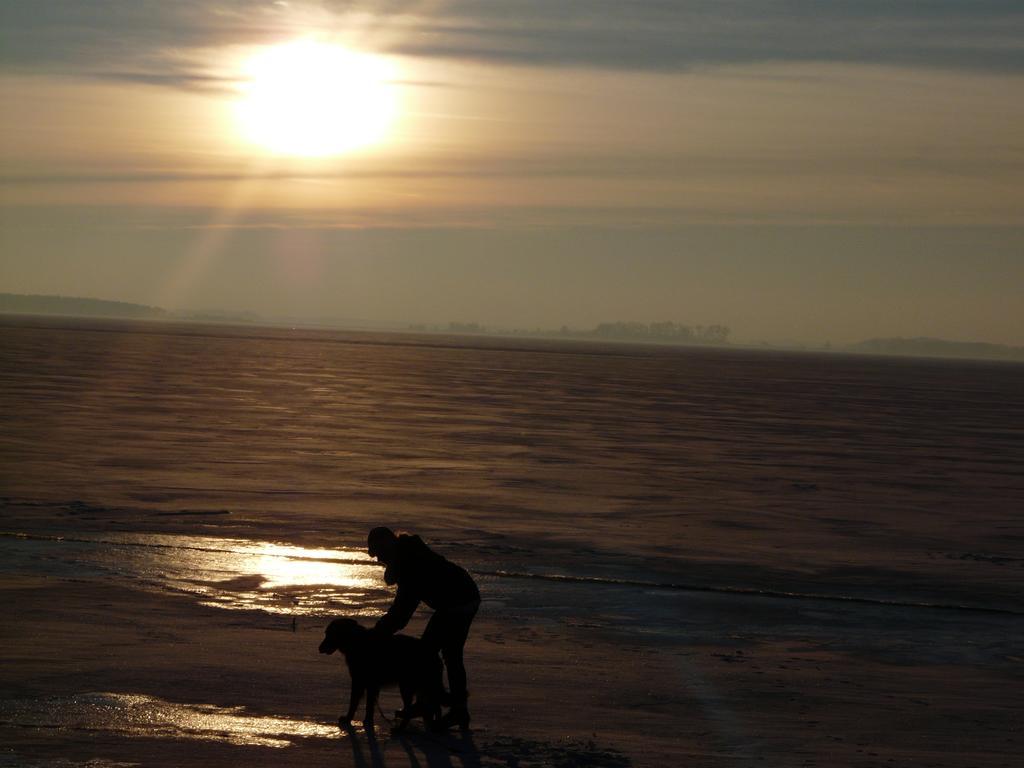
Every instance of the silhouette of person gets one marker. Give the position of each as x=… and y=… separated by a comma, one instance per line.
x=422, y=575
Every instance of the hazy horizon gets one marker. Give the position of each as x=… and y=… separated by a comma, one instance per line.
x=799, y=173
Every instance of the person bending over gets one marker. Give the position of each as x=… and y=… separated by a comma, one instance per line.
x=422, y=575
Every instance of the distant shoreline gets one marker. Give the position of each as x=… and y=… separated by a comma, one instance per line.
x=224, y=328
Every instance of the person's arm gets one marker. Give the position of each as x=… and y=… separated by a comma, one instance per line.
x=401, y=610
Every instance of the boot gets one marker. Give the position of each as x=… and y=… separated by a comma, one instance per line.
x=458, y=716
x=408, y=713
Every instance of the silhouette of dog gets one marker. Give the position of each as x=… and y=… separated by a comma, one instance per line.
x=376, y=660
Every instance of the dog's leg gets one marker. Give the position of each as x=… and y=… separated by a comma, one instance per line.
x=408, y=691
x=372, y=691
x=355, y=695
x=433, y=692
x=409, y=708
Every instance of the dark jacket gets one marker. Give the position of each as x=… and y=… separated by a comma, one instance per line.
x=423, y=575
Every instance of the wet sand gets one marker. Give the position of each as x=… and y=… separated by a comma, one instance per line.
x=699, y=558
x=816, y=684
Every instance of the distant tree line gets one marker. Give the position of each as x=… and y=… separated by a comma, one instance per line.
x=459, y=327
x=664, y=331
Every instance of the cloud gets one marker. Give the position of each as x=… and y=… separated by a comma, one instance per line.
x=141, y=39
x=670, y=36
x=181, y=79
x=873, y=162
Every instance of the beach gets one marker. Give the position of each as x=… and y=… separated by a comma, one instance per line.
x=688, y=556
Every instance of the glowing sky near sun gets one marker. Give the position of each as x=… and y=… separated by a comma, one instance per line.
x=453, y=159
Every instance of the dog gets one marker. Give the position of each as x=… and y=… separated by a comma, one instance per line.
x=375, y=660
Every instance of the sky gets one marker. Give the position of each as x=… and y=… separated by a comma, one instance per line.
x=799, y=171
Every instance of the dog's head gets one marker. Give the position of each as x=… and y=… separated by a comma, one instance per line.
x=341, y=635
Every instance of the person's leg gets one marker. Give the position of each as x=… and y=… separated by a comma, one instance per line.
x=454, y=632
x=446, y=632
x=456, y=666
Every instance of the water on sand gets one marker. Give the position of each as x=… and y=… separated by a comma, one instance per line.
x=648, y=497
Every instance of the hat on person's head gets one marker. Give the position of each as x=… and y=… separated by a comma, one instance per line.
x=378, y=539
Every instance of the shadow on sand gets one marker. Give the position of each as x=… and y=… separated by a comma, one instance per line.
x=421, y=749
x=459, y=749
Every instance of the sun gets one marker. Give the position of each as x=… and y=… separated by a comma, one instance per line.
x=313, y=99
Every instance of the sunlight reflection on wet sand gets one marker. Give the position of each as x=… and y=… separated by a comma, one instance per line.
x=308, y=579
x=237, y=574
x=278, y=578
x=149, y=717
